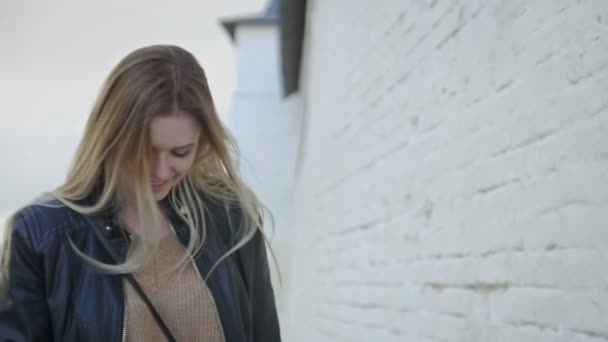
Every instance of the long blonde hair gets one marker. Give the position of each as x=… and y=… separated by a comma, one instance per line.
x=153, y=81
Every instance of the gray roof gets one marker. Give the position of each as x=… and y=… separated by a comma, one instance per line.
x=269, y=16
x=290, y=15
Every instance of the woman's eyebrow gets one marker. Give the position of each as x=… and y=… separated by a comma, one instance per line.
x=183, y=147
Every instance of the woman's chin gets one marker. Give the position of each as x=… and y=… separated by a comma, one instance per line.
x=160, y=194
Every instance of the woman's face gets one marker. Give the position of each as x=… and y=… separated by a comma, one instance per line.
x=174, y=140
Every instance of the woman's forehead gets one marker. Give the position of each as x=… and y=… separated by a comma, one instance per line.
x=174, y=130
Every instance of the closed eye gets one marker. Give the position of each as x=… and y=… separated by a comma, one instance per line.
x=180, y=154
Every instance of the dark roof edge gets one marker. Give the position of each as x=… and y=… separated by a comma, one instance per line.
x=290, y=15
x=230, y=24
x=269, y=16
x=292, y=24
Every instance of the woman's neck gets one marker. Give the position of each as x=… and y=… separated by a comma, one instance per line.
x=129, y=219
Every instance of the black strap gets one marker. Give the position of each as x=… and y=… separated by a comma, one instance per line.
x=135, y=285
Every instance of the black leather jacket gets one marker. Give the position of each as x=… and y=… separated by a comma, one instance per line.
x=53, y=295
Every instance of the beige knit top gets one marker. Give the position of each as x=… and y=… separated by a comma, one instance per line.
x=180, y=296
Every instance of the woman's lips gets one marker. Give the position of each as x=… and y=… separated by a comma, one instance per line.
x=158, y=186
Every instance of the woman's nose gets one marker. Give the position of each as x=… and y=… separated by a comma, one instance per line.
x=162, y=171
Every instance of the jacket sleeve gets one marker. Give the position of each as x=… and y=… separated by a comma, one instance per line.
x=24, y=314
x=264, y=312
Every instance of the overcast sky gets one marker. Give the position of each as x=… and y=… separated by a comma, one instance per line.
x=54, y=56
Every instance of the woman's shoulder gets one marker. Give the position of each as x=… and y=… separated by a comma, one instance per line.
x=41, y=221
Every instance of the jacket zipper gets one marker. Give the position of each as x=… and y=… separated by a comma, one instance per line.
x=124, y=323
x=125, y=311
x=217, y=315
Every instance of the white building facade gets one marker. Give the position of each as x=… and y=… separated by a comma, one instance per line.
x=450, y=172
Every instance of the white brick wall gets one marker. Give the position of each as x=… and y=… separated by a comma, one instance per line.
x=453, y=177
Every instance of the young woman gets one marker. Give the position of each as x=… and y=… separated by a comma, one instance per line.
x=153, y=236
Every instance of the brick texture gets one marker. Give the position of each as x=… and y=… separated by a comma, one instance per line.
x=452, y=181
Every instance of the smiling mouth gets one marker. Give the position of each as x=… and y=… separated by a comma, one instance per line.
x=158, y=185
